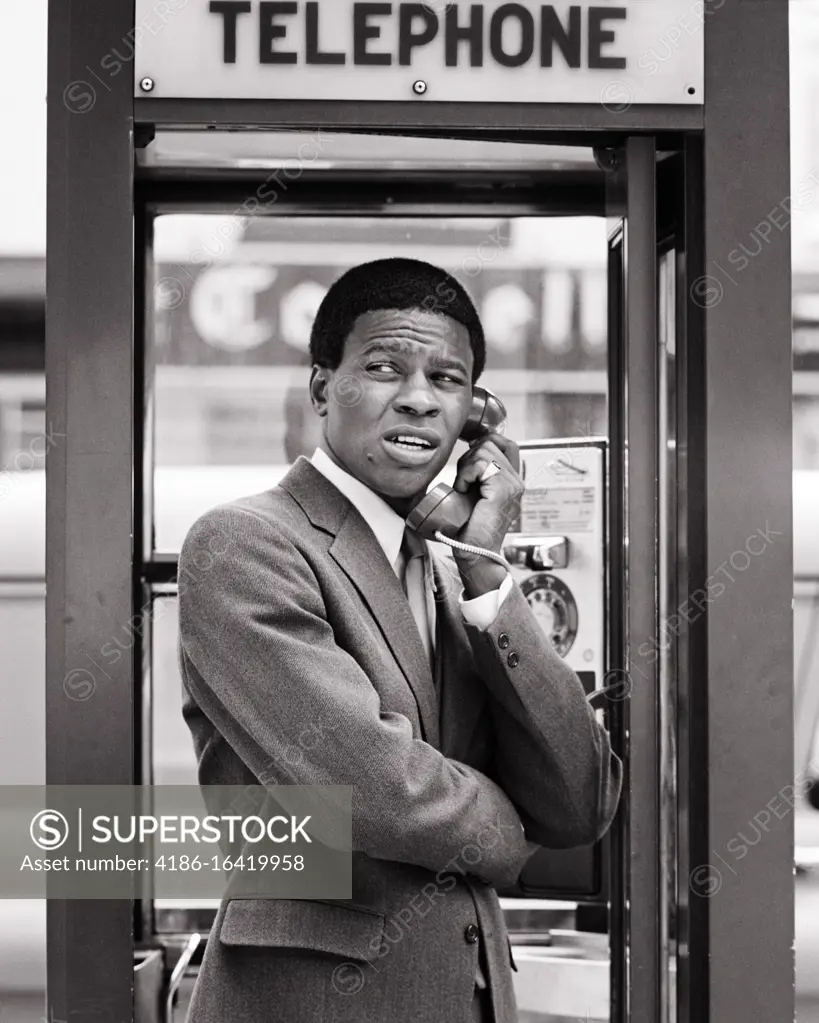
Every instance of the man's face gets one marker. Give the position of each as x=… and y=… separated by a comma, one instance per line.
x=404, y=373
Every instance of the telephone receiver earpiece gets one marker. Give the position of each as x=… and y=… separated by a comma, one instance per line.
x=443, y=509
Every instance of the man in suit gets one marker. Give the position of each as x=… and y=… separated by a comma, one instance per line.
x=435, y=693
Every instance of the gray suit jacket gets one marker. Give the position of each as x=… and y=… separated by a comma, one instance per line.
x=292, y=623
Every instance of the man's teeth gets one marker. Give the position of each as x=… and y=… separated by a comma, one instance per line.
x=414, y=442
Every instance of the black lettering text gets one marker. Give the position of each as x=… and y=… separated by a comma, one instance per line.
x=269, y=31
x=598, y=36
x=409, y=39
x=527, y=33
x=568, y=39
x=230, y=11
x=313, y=54
x=363, y=31
x=471, y=33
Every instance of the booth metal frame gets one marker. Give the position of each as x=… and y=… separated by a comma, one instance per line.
x=733, y=463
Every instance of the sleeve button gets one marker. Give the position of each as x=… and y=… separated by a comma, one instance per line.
x=471, y=934
x=503, y=641
x=512, y=659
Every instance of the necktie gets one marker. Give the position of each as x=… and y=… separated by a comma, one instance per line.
x=414, y=549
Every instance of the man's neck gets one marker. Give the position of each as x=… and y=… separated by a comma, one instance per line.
x=400, y=505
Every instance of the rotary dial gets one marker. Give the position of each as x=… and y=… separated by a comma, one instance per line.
x=554, y=607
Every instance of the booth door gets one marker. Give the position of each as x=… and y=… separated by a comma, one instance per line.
x=564, y=271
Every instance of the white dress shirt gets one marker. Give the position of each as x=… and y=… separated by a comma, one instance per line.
x=388, y=527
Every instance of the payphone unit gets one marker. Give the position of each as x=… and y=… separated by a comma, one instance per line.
x=557, y=553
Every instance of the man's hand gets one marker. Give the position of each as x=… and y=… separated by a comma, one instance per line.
x=495, y=512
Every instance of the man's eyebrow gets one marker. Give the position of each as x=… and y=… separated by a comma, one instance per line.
x=381, y=346
x=398, y=347
x=440, y=362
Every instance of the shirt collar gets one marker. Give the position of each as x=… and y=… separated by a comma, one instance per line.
x=387, y=524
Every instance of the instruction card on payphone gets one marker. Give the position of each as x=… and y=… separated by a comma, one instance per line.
x=558, y=509
x=557, y=551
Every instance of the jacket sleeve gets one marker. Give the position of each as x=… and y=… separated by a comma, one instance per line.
x=552, y=756
x=481, y=611
x=254, y=627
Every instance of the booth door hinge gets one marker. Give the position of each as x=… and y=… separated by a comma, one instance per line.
x=607, y=158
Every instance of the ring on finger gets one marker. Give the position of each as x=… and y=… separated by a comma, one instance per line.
x=491, y=470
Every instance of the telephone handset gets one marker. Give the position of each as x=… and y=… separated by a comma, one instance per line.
x=443, y=512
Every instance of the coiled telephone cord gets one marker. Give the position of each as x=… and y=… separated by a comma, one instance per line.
x=470, y=549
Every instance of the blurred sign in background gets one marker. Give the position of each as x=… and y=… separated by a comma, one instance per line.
x=234, y=304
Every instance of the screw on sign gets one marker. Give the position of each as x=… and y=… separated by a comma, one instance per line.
x=419, y=87
x=147, y=85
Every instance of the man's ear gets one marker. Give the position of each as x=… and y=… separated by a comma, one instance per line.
x=320, y=389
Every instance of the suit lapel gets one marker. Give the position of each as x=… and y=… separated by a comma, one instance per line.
x=358, y=553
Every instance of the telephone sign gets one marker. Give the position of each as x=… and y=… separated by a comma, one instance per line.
x=614, y=52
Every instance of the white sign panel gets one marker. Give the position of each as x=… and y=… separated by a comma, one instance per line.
x=614, y=52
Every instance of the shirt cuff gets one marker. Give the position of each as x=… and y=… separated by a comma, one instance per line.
x=482, y=611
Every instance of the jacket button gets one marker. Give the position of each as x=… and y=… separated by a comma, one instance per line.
x=503, y=641
x=512, y=659
x=471, y=934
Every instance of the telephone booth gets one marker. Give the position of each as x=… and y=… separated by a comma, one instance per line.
x=611, y=183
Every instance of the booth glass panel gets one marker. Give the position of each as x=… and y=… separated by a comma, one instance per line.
x=233, y=302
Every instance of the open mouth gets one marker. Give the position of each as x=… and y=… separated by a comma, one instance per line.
x=411, y=443
x=410, y=450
